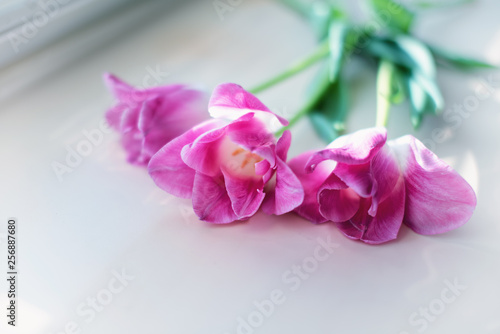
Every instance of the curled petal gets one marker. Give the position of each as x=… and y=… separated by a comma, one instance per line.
x=114, y=116
x=203, y=154
x=438, y=199
x=287, y=193
x=165, y=117
x=385, y=225
x=211, y=202
x=356, y=148
x=120, y=89
x=337, y=202
x=168, y=170
x=262, y=167
x=283, y=145
x=358, y=177
x=132, y=142
x=246, y=194
x=250, y=134
x=231, y=101
x=386, y=172
x=311, y=182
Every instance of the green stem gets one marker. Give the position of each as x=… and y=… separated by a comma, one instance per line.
x=309, y=105
x=320, y=53
x=385, y=77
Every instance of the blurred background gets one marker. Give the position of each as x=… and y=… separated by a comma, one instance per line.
x=102, y=250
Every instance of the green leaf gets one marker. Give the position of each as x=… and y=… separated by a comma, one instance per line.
x=319, y=85
x=418, y=102
x=336, y=38
x=328, y=116
x=459, y=61
x=417, y=59
x=335, y=104
x=421, y=101
x=393, y=15
x=404, y=51
x=321, y=15
x=419, y=53
x=323, y=127
x=388, y=49
x=432, y=91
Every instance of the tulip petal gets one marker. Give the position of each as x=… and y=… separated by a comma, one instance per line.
x=356, y=148
x=165, y=117
x=385, y=225
x=438, y=199
x=132, y=142
x=211, y=202
x=114, y=116
x=287, y=194
x=262, y=167
x=358, y=177
x=203, y=154
x=311, y=182
x=131, y=96
x=386, y=172
x=168, y=170
x=337, y=202
x=246, y=194
x=250, y=134
x=230, y=101
x=283, y=145
x=119, y=88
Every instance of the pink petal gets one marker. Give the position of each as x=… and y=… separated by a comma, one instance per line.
x=283, y=145
x=203, y=154
x=231, y=101
x=287, y=193
x=386, y=173
x=168, y=170
x=132, y=96
x=384, y=226
x=311, y=182
x=438, y=199
x=211, y=202
x=250, y=134
x=262, y=167
x=357, y=148
x=120, y=89
x=337, y=202
x=357, y=177
x=132, y=142
x=114, y=116
x=246, y=194
x=165, y=117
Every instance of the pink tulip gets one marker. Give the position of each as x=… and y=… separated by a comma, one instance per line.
x=368, y=187
x=149, y=118
x=232, y=165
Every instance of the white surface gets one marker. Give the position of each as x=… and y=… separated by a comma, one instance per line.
x=192, y=277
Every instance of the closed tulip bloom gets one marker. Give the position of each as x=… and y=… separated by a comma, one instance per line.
x=149, y=118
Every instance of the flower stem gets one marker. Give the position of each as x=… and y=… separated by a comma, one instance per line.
x=320, y=53
x=385, y=77
x=310, y=103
